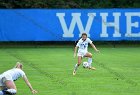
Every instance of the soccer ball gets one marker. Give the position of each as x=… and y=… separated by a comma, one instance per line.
x=85, y=65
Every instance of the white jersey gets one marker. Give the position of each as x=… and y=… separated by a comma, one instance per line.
x=83, y=45
x=15, y=73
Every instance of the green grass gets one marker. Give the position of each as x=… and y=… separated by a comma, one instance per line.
x=50, y=71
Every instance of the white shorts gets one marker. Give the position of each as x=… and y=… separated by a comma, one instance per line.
x=81, y=53
x=4, y=78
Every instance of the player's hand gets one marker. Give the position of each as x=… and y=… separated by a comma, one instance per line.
x=74, y=55
x=98, y=51
x=34, y=92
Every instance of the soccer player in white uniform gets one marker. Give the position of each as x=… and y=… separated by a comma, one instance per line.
x=83, y=51
x=7, y=85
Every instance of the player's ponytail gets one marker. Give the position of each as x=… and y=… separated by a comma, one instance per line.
x=81, y=37
x=83, y=34
x=19, y=65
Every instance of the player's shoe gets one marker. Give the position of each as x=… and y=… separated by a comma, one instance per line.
x=74, y=72
x=92, y=68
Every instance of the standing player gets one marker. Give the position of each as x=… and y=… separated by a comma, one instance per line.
x=83, y=51
x=7, y=79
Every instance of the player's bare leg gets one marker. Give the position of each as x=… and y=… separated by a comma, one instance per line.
x=11, y=87
x=89, y=55
x=77, y=65
x=10, y=84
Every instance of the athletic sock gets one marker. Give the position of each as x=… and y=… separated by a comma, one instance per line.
x=11, y=91
x=89, y=61
x=76, y=67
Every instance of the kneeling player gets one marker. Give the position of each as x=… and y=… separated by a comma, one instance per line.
x=83, y=51
x=7, y=79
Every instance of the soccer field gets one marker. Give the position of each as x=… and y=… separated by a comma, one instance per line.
x=49, y=70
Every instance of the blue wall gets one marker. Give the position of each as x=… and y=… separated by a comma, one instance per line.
x=67, y=25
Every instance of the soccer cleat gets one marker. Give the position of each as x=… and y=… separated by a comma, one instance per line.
x=74, y=72
x=92, y=68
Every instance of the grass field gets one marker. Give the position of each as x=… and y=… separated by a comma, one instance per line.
x=49, y=70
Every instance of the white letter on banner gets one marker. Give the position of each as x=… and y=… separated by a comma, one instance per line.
x=130, y=24
x=75, y=20
x=114, y=24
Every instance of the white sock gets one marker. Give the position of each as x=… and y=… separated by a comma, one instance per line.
x=76, y=66
x=11, y=90
x=1, y=93
x=89, y=61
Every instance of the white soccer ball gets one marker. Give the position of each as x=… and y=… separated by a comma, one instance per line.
x=85, y=64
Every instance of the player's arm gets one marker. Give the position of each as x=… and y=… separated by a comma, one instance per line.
x=75, y=51
x=29, y=85
x=94, y=47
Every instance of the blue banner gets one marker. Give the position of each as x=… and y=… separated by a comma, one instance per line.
x=69, y=24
